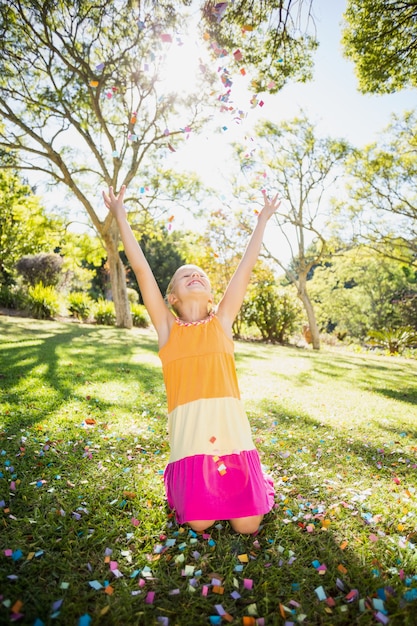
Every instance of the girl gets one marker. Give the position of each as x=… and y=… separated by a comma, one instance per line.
x=214, y=471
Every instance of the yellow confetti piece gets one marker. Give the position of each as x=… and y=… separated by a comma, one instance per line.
x=243, y=558
x=30, y=556
x=105, y=610
x=400, y=527
x=325, y=523
x=93, y=83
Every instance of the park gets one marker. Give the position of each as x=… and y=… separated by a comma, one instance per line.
x=178, y=103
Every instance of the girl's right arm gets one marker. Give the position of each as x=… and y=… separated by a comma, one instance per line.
x=159, y=313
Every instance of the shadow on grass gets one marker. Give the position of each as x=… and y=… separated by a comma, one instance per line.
x=43, y=365
x=407, y=394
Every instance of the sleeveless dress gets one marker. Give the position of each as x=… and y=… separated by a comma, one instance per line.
x=214, y=471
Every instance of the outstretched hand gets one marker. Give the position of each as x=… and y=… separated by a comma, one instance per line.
x=270, y=205
x=114, y=203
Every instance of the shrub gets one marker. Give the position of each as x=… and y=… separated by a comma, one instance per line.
x=79, y=305
x=104, y=312
x=42, y=302
x=132, y=296
x=40, y=268
x=274, y=312
x=395, y=340
x=140, y=317
x=11, y=297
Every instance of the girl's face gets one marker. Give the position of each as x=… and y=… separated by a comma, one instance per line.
x=188, y=280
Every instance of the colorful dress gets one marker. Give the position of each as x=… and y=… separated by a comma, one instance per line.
x=214, y=471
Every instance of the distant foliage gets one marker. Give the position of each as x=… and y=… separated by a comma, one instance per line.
x=104, y=312
x=395, y=340
x=40, y=268
x=42, y=302
x=79, y=305
x=11, y=297
x=132, y=295
x=140, y=316
x=274, y=312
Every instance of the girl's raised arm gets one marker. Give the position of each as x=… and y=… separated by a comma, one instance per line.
x=231, y=302
x=159, y=313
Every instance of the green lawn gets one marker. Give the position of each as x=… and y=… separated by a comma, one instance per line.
x=85, y=535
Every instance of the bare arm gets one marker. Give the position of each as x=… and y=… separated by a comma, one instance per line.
x=231, y=302
x=158, y=311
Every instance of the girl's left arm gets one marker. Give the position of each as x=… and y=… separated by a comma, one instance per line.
x=231, y=302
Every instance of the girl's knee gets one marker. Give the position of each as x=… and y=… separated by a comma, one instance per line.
x=246, y=525
x=200, y=525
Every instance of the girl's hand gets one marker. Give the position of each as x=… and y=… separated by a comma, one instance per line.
x=115, y=203
x=270, y=206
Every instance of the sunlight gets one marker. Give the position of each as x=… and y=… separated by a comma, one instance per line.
x=181, y=69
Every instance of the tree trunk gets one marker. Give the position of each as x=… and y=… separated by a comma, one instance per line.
x=117, y=278
x=309, y=309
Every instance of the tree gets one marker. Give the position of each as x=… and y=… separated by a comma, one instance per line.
x=25, y=228
x=82, y=105
x=301, y=167
x=361, y=290
x=383, y=190
x=380, y=38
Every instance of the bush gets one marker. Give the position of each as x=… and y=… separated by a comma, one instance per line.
x=42, y=302
x=274, y=312
x=79, y=304
x=104, y=312
x=395, y=340
x=132, y=296
x=40, y=268
x=140, y=317
x=11, y=297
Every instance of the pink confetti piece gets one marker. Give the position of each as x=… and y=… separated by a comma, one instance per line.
x=352, y=595
x=247, y=583
x=113, y=565
x=150, y=597
x=166, y=38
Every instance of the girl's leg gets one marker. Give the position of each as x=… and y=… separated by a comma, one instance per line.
x=246, y=525
x=200, y=525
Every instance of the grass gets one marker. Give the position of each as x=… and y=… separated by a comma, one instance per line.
x=85, y=534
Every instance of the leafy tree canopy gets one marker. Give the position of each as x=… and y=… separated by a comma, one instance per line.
x=25, y=228
x=380, y=38
x=273, y=39
x=383, y=189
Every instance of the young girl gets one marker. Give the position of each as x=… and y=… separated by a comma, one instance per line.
x=214, y=471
